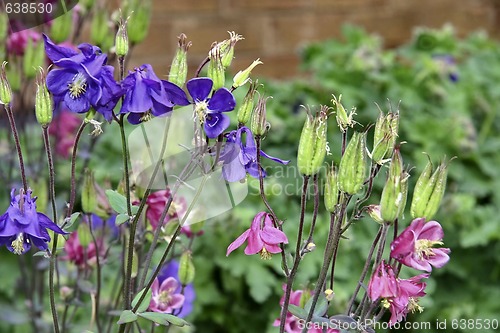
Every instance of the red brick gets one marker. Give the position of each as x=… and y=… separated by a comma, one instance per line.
x=262, y=5
x=176, y=7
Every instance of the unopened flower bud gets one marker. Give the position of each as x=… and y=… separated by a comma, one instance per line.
x=374, y=212
x=352, y=168
x=84, y=235
x=44, y=105
x=138, y=26
x=61, y=27
x=243, y=76
x=89, y=194
x=259, y=125
x=310, y=247
x=331, y=189
x=344, y=120
x=329, y=294
x=313, y=145
x=186, y=269
x=215, y=69
x=429, y=191
x=5, y=91
x=246, y=108
x=392, y=194
x=121, y=39
x=66, y=293
x=179, y=68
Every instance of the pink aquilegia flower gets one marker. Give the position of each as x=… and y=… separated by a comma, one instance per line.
x=383, y=283
x=262, y=237
x=63, y=128
x=166, y=297
x=400, y=296
x=414, y=246
x=83, y=256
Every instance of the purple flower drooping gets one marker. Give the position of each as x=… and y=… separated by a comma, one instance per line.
x=22, y=225
x=262, y=237
x=414, y=246
x=166, y=297
x=209, y=110
x=146, y=95
x=240, y=156
x=82, y=79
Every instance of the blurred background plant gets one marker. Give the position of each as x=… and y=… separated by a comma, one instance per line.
x=445, y=88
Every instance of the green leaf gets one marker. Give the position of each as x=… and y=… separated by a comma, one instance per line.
x=70, y=227
x=121, y=218
x=145, y=302
x=163, y=318
x=134, y=209
x=117, y=201
x=86, y=286
x=321, y=306
x=297, y=311
x=127, y=316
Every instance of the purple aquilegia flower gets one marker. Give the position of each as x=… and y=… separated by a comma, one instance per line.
x=262, y=237
x=22, y=225
x=171, y=270
x=166, y=297
x=240, y=156
x=82, y=79
x=146, y=95
x=209, y=110
x=414, y=246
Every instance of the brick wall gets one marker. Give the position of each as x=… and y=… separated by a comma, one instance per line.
x=274, y=30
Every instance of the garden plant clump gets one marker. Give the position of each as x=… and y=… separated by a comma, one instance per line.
x=119, y=252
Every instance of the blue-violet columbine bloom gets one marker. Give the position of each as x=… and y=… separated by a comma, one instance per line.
x=146, y=95
x=82, y=79
x=22, y=225
x=209, y=109
x=240, y=156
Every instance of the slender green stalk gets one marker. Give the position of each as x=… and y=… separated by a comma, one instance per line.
x=53, y=255
x=315, y=213
x=293, y=272
x=98, y=273
x=13, y=127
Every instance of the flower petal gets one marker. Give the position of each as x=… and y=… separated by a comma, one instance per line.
x=272, y=235
x=55, y=52
x=275, y=159
x=78, y=105
x=431, y=230
x=440, y=257
x=255, y=243
x=222, y=101
x=58, y=79
x=237, y=242
x=215, y=124
x=176, y=95
x=199, y=88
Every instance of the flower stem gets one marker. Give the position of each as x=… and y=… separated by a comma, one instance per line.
x=13, y=127
x=98, y=273
x=293, y=272
x=53, y=255
x=315, y=213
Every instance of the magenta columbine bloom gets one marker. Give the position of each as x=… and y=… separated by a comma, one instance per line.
x=166, y=297
x=262, y=238
x=410, y=291
x=171, y=270
x=240, y=156
x=22, y=225
x=146, y=95
x=383, y=283
x=210, y=109
x=82, y=79
x=414, y=246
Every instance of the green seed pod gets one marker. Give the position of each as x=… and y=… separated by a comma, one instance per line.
x=422, y=191
x=5, y=91
x=246, y=108
x=179, y=67
x=401, y=202
x=374, y=212
x=216, y=70
x=84, y=235
x=140, y=17
x=44, y=105
x=313, y=144
x=243, y=76
x=226, y=48
x=186, y=269
x=343, y=119
x=352, y=168
x=89, y=194
x=390, y=195
x=61, y=27
x=121, y=39
x=4, y=25
x=331, y=189
x=393, y=120
x=259, y=123
x=437, y=192
x=34, y=57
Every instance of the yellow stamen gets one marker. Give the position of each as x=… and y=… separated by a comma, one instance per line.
x=265, y=255
x=78, y=86
x=18, y=244
x=423, y=247
x=200, y=110
x=413, y=305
